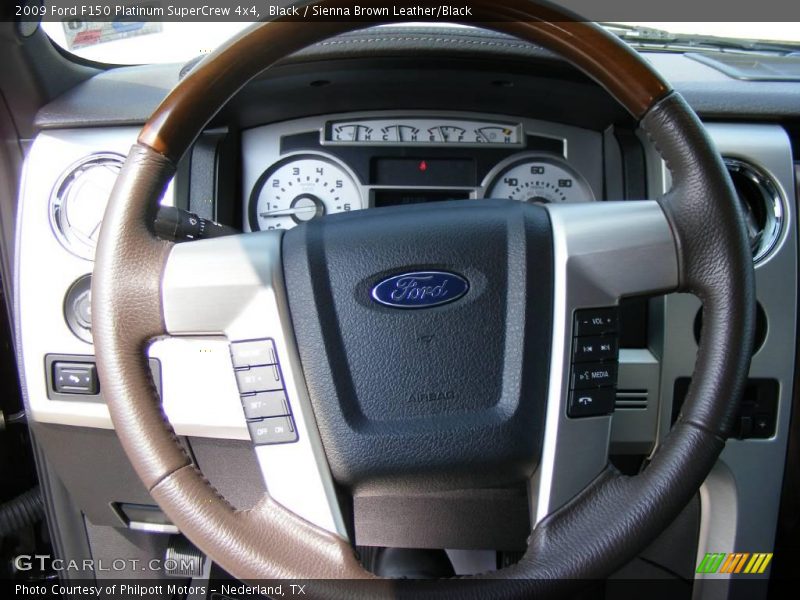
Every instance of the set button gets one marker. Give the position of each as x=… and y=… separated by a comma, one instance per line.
x=259, y=379
x=265, y=404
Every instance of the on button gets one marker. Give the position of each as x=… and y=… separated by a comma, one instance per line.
x=275, y=430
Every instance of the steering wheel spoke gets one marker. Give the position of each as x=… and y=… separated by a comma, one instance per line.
x=603, y=252
x=233, y=286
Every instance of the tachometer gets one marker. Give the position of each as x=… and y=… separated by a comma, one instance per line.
x=300, y=188
x=537, y=179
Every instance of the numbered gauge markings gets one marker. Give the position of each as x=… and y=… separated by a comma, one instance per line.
x=300, y=188
x=535, y=178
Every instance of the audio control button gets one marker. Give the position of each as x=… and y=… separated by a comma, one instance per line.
x=589, y=375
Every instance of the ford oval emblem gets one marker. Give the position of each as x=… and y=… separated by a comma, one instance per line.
x=420, y=289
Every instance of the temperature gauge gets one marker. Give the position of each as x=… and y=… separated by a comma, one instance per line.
x=496, y=135
x=400, y=133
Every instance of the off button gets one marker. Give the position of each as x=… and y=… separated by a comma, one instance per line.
x=275, y=430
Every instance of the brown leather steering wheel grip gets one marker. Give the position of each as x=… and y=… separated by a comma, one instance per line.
x=589, y=537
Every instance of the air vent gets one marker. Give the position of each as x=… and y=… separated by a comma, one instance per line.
x=631, y=400
x=762, y=204
x=78, y=201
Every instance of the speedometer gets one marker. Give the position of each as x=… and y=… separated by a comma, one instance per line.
x=534, y=178
x=300, y=188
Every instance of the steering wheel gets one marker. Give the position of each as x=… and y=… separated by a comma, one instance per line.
x=498, y=370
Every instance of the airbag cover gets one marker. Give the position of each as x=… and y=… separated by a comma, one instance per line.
x=437, y=395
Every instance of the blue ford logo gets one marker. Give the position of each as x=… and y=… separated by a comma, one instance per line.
x=420, y=289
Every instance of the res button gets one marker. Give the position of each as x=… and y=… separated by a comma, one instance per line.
x=253, y=353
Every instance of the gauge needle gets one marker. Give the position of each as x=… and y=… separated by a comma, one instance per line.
x=288, y=211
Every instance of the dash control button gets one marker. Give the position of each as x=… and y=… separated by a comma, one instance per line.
x=75, y=378
x=253, y=353
x=591, y=403
x=596, y=321
x=275, y=430
x=259, y=379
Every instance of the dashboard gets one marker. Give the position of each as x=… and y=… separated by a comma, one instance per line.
x=310, y=139
x=297, y=170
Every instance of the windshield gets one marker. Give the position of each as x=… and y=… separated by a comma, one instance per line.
x=166, y=42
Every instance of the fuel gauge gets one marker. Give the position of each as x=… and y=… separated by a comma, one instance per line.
x=447, y=133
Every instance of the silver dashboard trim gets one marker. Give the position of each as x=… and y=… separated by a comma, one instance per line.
x=751, y=520
x=45, y=270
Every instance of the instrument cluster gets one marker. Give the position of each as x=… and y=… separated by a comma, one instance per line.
x=298, y=171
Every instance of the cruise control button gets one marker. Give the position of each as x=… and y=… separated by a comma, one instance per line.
x=253, y=353
x=591, y=403
x=265, y=404
x=259, y=379
x=75, y=378
x=592, y=348
x=276, y=430
x=589, y=375
x=595, y=321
